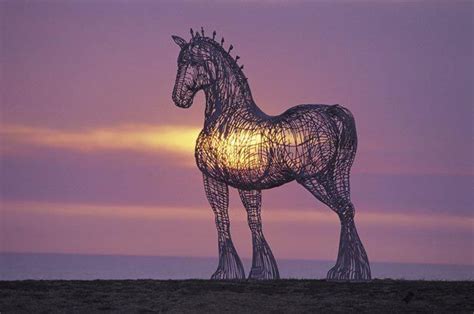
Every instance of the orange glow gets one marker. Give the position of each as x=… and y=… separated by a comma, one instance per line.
x=144, y=138
x=240, y=150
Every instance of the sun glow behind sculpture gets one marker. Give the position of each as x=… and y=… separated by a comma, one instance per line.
x=239, y=150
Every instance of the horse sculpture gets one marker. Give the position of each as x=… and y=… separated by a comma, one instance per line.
x=242, y=147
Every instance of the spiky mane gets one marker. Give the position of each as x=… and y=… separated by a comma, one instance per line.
x=197, y=38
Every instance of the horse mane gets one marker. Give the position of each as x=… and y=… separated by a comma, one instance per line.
x=197, y=38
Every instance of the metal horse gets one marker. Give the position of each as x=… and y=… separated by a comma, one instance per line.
x=242, y=147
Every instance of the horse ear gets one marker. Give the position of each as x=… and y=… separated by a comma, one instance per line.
x=179, y=41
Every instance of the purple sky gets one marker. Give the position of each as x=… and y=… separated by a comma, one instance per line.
x=97, y=159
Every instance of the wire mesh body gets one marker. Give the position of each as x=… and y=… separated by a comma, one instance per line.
x=263, y=152
x=242, y=147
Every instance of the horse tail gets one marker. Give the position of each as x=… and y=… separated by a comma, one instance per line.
x=346, y=127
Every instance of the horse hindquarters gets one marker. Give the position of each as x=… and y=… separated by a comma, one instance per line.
x=333, y=188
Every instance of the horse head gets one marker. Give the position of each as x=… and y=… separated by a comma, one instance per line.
x=193, y=71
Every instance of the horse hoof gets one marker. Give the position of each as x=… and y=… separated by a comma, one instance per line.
x=221, y=274
x=345, y=274
x=259, y=273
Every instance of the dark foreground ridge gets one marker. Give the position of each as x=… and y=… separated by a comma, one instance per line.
x=203, y=296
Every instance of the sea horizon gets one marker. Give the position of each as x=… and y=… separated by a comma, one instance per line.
x=86, y=266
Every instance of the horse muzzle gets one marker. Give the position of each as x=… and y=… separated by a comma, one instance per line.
x=184, y=90
x=183, y=98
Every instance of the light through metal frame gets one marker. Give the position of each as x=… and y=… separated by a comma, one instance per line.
x=242, y=147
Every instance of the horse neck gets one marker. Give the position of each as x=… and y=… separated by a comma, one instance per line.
x=229, y=94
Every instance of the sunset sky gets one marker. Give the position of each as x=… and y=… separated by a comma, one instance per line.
x=96, y=158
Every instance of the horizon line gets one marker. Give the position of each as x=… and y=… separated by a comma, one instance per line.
x=214, y=257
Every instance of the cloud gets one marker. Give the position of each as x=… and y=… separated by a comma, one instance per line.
x=279, y=215
x=131, y=137
x=90, y=228
x=179, y=140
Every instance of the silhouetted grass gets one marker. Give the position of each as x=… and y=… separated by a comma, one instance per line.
x=282, y=296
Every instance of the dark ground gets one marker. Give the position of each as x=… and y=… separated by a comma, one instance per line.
x=282, y=296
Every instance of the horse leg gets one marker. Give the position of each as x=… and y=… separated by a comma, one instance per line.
x=352, y=262
x=264, y=265
x=230, y=266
